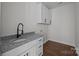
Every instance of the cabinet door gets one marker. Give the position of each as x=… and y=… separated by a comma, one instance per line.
x=47, y=15
x=25, y=53
x=29, y=52
x=43, y=13
x=40, y=49
x=32, y=51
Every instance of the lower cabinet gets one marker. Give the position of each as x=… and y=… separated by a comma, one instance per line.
x=39, y=49
x=30, y=52
x=33, y=48
x=36, y=50
x=26, y=53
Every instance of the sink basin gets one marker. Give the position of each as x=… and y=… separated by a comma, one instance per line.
x=19, y=40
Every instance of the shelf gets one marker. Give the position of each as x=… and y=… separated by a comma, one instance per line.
x=44, y=23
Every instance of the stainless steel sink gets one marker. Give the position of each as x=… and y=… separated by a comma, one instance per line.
x=19, y=40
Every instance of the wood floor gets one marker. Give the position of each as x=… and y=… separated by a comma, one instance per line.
x=51, y=48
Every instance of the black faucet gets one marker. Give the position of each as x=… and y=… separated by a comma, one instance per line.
x=18, y=34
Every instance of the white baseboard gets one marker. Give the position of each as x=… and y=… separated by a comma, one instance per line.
x=67, y=43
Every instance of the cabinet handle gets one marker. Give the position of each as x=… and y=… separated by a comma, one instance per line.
x=40, y=54
x=39, y=46
x=40, y=40
x=45, y=20
x=24, y=55
x=27, y=54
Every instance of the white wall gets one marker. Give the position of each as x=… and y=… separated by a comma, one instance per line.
x=13, y=13
x=0, y=18
x=62, y=28
x=77, y=23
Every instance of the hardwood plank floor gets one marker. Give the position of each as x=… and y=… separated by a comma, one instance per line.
x=51, y=48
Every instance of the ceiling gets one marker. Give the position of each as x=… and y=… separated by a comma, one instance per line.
x=51, y=5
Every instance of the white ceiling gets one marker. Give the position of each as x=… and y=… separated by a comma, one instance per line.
x=51, y=5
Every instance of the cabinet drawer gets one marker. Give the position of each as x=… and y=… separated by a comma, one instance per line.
x=40, y=49
x=40, y=40
x=40, y=53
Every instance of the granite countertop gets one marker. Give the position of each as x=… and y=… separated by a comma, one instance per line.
x=8, y=42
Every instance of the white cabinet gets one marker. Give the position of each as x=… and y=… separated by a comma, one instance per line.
x=44, y=15
x=30, y=52
x=26, y=53
x=33, y=48
x=39, y=47
x=40, y=50
x=36, y=50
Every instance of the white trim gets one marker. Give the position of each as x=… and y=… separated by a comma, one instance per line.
x=67, y=43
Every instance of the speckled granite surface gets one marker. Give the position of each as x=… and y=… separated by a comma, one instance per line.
x=8, y=42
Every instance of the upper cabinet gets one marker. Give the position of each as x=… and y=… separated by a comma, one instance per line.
x=44, y=15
